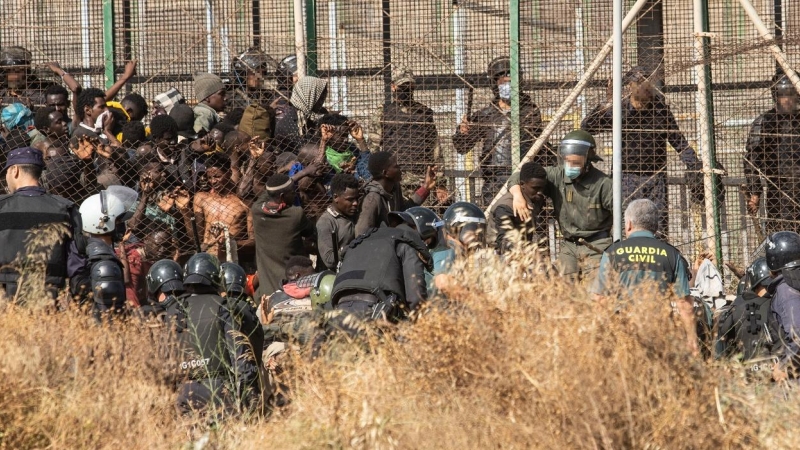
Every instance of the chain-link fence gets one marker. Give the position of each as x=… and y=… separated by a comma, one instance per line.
x=458, y=117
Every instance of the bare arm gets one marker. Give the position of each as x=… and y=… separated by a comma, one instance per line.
x=130, y=71
x=199, y=216
x=68, y=79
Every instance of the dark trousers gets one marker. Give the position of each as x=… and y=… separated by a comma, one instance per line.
x=202, y=395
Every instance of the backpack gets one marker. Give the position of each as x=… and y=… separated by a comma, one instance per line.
x=748, y=326
x=258, y=121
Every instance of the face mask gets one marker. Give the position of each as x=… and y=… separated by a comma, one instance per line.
x=504, y=90
x=98, y=123
x=572, y=172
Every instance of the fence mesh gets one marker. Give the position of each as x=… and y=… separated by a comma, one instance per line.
x=367, y=49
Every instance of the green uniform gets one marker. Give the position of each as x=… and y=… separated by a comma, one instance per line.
x=583, y=208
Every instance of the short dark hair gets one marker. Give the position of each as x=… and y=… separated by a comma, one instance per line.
x=31, y=170
x=42, y=118
x=138, y=101
x=378, y=162
x=234, y=116
x=334, y=119
x=161, y=125
x=133, y=133
x=183, y=115
x=219, y=160
x=278, y=179
x=56, y=89
x=343, y=181
x=531, y=170
x=297, y=262
x=87, y=98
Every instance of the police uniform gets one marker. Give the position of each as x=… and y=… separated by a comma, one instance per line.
x=382, y=270
x=202, y=325
x=639, y=258
x=773, y=149
x=30, y=207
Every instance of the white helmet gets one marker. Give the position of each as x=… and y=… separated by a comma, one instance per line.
x=100, y=212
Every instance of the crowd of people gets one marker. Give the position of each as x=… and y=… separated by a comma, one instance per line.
x=256, y=210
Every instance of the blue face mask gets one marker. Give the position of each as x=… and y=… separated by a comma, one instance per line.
x=504, y=90
x=572, y=172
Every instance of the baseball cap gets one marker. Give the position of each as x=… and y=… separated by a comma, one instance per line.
x=24, y=155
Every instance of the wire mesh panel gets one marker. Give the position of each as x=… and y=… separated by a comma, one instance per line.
x=425, y=81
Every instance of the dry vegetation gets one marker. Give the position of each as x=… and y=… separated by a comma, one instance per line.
x=510, y=363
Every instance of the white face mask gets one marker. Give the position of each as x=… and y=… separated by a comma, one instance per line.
x=504, y=90
x=98, y=123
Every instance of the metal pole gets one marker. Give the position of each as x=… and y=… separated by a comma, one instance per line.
x=256, y=12
x=576, y=91
x=311, y=37
x=209, y=36
x=386, y=23
x=86, y=53
x=333, y=54
x=108, y=41
x=616, y=127
x=705, y=114
x=299, y=38
x=776, y=51
x=462, y=101
x=515, y=81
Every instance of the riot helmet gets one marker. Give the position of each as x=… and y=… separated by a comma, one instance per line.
x=758, y=274
x=321, y=285
x=784, y=94
x=498, y=67
x=400, y=218
x=285, y=72
x=234, y=279
x=465, y=223
x=165, y=276
x=202, y=268
x=427, y=223
x=15, y=56
x=783, y=250
x=254, y=61
x=106, y=212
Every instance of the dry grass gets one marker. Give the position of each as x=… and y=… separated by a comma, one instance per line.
x=511, y=363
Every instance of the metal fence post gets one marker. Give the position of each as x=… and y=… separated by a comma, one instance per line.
x=616, y=154
x=108, y=41
x=515, y=81
x=311, y=38
x=705, y=112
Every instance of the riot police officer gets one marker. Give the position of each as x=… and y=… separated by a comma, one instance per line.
x=773, y=149
x=746, y=325
x=164, y=286
x=491, y=126
x=783, y=259
x=250, y=69
x=463, y=232
x=103, y=216
x=18, y=84
x=382, y=275
x=26, y=207
x=211, y=363
x=286, y=77
x=582, y=203
x=234, y=280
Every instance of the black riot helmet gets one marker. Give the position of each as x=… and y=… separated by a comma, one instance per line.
x=165, y=276
x=15, y=56
x=202, y=268
x=757, y=274
x=234, y=279
x=254, y=60
x=285, y=71
x=498, y=67
x=783, y=250
x=427, y=223
x=782, y=87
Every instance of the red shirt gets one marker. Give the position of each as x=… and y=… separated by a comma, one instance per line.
x=136, y=289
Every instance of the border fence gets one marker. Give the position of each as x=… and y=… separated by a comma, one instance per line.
x=447, y=44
